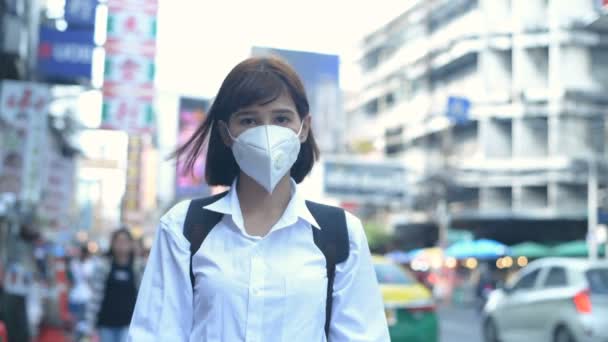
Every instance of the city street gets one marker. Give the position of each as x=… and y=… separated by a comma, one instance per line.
x=459, y=325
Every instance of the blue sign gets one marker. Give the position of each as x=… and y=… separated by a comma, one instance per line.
x=602, y=216
x=80, y=13
x=458, y=109
x=66, y=55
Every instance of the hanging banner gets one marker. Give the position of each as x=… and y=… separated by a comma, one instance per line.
x=129, y=24
x=132, y=202
x=24, y=105
x=135, y=115
x=137, y=70
x=20, y=99
x=129, y=69
x=57, y=195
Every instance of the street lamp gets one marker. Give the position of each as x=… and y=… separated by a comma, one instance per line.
x=593, y=242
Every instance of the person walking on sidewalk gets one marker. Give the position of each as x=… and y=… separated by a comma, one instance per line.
x=114, y=289
x=81, y=271
x=258, y=262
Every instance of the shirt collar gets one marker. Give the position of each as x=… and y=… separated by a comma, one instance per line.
x=296, y=208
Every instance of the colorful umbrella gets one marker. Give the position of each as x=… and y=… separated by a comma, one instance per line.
x=530, y=250
x=577, y=248
x=480, y=249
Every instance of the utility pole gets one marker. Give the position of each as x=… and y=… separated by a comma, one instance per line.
x=592, y=205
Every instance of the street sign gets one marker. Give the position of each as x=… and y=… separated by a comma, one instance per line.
x=602, y=216
x=67, y=54
x=458, y=109
x=80, y=13
x=364, y=180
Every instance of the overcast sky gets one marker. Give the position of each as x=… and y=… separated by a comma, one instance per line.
x=200, y=41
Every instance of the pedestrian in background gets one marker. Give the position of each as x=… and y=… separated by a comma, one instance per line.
x=261, y=273
x=81, y=270
x=114, y=289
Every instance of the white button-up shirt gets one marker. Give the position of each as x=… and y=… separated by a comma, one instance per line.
x=256, y=289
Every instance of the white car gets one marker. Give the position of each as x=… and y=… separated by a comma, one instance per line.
x=551, y=300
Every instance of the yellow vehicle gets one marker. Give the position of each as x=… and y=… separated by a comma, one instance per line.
x=409, y=306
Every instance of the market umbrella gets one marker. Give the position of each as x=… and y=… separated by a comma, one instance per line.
x=398, y=256
x=573, y=249
x=530, y=250
x=427, y=253
x=419, y=253
x=480, y=249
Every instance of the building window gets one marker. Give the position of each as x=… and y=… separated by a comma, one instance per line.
x=389, y=99
x=371, y=108
x=372, y=59
x=443, y=15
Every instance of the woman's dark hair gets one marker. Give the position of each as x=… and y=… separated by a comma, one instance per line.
x=115, y=235
x=255, y=81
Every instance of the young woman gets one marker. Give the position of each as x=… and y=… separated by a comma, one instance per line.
x=114, y=289
x=258, y=275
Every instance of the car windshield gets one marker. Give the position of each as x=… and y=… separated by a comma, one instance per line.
x=392, y=274
x=598, y=280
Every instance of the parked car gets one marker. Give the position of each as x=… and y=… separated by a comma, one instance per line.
x=552, y=299
x=409, y=306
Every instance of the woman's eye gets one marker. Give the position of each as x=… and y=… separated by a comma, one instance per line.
x=247, y=122
x=283, y=119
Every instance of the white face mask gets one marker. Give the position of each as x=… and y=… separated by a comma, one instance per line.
x=266, y=153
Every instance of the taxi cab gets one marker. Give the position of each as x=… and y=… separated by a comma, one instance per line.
x=409, y=306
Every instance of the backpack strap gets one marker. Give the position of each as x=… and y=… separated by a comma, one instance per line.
x=332, y=239
x=198, y=223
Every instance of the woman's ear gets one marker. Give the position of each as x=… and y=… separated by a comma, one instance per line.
x=306, y=124
x=222, y=127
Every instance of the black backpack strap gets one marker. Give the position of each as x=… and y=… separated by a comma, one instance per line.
x=198, y=223
x=332, y=239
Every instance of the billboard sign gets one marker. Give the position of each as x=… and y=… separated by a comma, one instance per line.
x=364, y=181
x=80, y=13
x=321, y=77
x=67, y=54
x=192, y=113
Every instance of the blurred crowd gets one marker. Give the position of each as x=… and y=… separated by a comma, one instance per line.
x=77, y=293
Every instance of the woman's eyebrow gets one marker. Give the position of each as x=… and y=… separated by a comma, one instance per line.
x=283, y=111
x=246, y=112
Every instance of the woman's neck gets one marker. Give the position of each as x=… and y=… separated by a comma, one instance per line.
x=253, y=198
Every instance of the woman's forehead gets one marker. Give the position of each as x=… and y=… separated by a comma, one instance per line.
x=283, y=103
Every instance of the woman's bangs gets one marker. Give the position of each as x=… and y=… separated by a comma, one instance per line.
x=256, y=88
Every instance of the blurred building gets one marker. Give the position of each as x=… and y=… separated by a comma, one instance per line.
x=498, y=103
x=19, y=21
